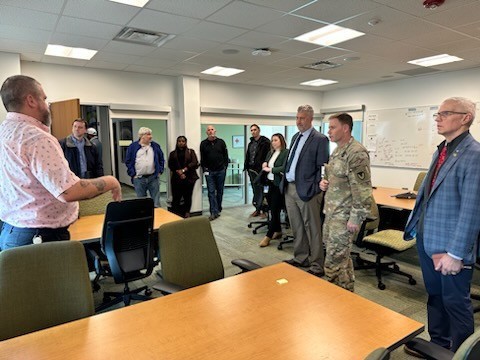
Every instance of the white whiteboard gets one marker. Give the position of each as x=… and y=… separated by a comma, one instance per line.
x=405, y=137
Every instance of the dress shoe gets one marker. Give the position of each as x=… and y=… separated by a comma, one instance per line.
x=213, y=217
x=277, y=235
x=265, y=241
x=316, y=273
x=296, y=264
x=255, y=214
x=263, y=216
x=412, y=352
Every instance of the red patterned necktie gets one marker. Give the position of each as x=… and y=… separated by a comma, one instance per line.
x=441, y=159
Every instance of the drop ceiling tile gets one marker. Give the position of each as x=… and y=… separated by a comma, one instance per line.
x=199, y=9
x=69, y=25
x=439, y=37
x=282, y=5
x=110, y=57
x=290, y=26
x=296, y=47
x=244, y=15
x=191, y=44
x=214, y=32
x=28, y=18
x=50, y=6
x=128, y=48
x=64, y=61
x=155, y=62
x=331, y=11
x=25, y=56
x=454, y=46
x=103, y=11
x=99, y=64
x=78, y=41
x=415, y=7
x=19, y=46
x=472, y=29
x=255, y=39
x=456, y=16
x=166, y=23
x=142, y=69
x=169, y=54
x=24, y=34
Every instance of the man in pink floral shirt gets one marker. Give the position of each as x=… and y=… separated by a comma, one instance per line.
x=38, y=192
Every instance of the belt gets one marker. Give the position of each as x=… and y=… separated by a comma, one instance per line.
x=8, y=227
x=146, y=175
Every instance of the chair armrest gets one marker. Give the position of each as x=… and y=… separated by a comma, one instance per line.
x=167, y=288
x=430, y=350
x=245, y=265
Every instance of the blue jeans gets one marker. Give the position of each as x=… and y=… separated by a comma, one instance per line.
x=149, y=183
x=12, y=236
x=215, y=183
x=257, y=200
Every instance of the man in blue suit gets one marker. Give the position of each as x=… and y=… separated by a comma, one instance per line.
x=446, y=223
x=303, y=197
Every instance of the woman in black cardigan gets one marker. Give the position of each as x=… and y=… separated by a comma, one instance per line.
x=274, y=166
x=183, y=164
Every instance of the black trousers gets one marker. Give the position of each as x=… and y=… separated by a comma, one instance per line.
x=182, y=190
x=276, y=202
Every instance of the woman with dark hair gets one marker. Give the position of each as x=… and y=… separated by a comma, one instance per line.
x=183, y=164
x=274, y=166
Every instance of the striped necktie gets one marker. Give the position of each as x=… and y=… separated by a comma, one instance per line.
x=441, y=159
x=292, y=154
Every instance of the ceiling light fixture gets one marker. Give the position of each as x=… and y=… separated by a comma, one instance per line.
x=329, y=35
x=318, y=82
x=435, y=60
x=137, y=3
x=222, y=71
x=69, y=52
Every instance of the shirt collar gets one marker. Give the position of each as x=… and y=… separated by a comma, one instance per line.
x=451, y=146
x=14, y=116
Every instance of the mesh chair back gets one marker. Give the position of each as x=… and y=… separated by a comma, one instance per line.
x=43, y=285
x=188, y=252
x=470, y=349
x=128, y=239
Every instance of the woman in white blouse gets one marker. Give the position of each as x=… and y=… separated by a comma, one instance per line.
x=274, y=166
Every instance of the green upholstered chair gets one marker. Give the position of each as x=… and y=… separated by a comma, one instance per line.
x=189, y=255
x=379, y=354
x=469, y=350
x=42, y=286
x=382, y=243
x=419, y=180
x=96, y=205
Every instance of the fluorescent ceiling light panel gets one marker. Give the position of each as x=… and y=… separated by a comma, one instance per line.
x=137, y=3
x=222, y=71
x=69, y=52
x=329, y=35
x=318, y=82
x=435, y=60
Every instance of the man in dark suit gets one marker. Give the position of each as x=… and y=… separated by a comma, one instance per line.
x=303, y=197
x=446, y=224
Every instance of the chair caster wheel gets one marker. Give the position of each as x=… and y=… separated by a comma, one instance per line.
x=381, y=286
x=106, y=299
x=249, y=226
x=412, y=281
x=148, y=292
x=254, y=231
x=280, y=247
x=95, y=287
x=396, y=267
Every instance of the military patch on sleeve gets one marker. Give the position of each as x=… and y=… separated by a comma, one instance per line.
x=361, y=175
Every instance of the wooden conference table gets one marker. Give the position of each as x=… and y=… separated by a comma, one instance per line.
x=383, y=196
x=277, y=312
x=90, y=227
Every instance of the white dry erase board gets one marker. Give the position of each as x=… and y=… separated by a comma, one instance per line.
x=405, y=137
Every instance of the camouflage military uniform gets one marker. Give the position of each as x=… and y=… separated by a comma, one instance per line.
x=347, y=198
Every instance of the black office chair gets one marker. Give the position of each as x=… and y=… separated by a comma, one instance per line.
x=258, y=224
x=382, y=243
x=469, y=350
x=476, y=308
x=127, y=240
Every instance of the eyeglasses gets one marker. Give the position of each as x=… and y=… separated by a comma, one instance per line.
x=444, y=114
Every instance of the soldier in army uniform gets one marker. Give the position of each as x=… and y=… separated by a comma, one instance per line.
x=348, y=189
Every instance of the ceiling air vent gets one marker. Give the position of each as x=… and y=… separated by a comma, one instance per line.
x=321, y=65
x=143, y=37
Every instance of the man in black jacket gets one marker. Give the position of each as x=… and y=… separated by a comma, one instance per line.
x=257, y=151
x=81, y=154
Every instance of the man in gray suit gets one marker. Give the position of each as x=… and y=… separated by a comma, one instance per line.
x=303, y=197
x=446, y=224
